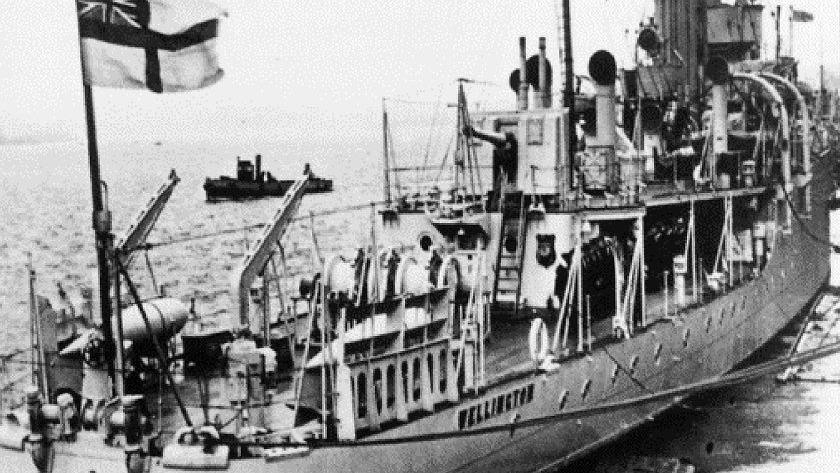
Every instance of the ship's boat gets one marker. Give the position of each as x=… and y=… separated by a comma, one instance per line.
x=251, y=182
x=629, y=251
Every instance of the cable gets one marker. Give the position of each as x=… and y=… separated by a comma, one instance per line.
x=347, y=208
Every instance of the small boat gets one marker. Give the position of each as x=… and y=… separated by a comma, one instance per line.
x=251, y=182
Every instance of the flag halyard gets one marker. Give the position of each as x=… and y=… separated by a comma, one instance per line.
x=120, y=49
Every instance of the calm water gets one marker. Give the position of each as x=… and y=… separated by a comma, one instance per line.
x=45, y=210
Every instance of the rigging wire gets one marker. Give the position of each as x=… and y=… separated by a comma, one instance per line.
x=227, y=231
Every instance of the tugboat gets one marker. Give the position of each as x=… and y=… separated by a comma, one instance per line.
x=252, y=182
x=611, y=270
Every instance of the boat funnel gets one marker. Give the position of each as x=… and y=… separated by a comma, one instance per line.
x=650, y=41
x=602, y=69
x=717, y=70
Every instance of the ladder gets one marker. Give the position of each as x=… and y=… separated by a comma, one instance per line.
x=507, y=284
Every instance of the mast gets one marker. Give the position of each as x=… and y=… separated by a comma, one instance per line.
x=564, y=34
x=790, y=32
x=104, y=240
x=385, y=161
x=778, y=31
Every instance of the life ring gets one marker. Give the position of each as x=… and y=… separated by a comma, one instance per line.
x=538, y=341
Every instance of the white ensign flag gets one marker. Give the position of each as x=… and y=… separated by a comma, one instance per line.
x=160, y=45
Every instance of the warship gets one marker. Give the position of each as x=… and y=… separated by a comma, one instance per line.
x=633, y=249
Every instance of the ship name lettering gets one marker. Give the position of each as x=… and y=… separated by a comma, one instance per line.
x=495, y=406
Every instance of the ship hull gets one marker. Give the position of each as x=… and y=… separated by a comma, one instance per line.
x=698, y=344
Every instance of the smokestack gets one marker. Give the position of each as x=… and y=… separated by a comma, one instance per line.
x=719, y=113
x=545, y=95
x=603, y=69
x=258, y=170
x=717, y=70
x=523, y=83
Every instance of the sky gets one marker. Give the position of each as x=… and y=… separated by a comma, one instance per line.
x=326, y=63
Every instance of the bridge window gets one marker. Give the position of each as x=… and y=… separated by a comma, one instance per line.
x=361, y=389
x=535, y=131
x=390, y=386
x=426, y=242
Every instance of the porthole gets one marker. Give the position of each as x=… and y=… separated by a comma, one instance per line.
x=657, y=353
x=564, y=398
x=426, y=242
x=584, y=391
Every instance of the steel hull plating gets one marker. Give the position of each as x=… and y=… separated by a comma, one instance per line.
x=696, y=345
